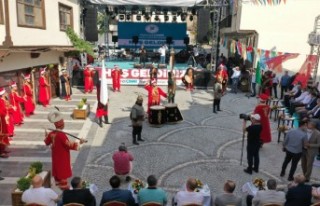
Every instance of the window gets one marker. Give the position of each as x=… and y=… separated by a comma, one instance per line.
x=1, y=13
x=31, y=13
x=65, y=16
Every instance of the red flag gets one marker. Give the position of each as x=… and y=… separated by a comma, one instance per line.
x=276, y=63
x=305, y=70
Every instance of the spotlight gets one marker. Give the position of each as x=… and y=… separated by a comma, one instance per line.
x=134, y=10
x=122, y=10
x=166, y=18
x=183, y=16
x=138, y=17
x=191, y=18
x=147, y=17
x=121, y=17
x=128, y=17
x=156, y=18
x=115, y=10
x=193, y=11
x=165, y=12
x=174, y=19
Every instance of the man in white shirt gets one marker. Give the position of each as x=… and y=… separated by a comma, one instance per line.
x=162, y=50
x=235, y=79
x=189, y=196
x=269, y=196
x=38, y=194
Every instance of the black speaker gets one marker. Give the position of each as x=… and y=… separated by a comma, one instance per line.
x=90, y=22
x=114, y=39
x=135, y=39
x=186, y=40
x=169, y=40
x=203, y=25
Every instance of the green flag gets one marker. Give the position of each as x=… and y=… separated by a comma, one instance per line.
x=258, y=74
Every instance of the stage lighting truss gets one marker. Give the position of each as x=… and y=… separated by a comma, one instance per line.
x=122, y=10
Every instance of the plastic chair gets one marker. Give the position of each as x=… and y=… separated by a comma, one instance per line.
x=152, y=204
x=114, y=203
x=73, y=204
x=271, y=204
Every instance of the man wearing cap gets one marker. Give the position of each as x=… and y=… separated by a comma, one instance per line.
x=137, y=117
x=264, y=110
x=154, y=93
x=29, y=105
x=65, y=85
x=116, y=75
x=88, y=79
x=44, y=91
x=253, y=143
x=16, y=100
x=4, y=118
x=60, y=146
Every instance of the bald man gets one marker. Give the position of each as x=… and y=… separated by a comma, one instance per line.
x=189, y=196
x=38, y=194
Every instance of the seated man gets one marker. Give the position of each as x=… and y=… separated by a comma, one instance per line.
x=152, y=193
x=269, y=196
x=189, y=196
x=78, y=194
x=123, y=162
x=38, y=194
x=294, y=93
x=300, y=101
x=228, y=198
x=309, y=106
x=299, y=194
x=117, y=194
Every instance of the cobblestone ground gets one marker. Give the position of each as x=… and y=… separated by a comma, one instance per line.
x=205, y=145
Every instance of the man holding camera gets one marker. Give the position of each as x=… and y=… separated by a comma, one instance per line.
x=253, y=142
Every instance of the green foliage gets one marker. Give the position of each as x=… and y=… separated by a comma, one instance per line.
x=37, y=166
x=84, y=100
x=81, y=104
x=80, y=44
x=24, y=183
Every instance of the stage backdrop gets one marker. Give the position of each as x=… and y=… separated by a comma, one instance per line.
x=151, y=35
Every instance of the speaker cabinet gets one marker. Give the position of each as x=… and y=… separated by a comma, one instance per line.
x=203, y=25
x=114, y=39
x=90, y=22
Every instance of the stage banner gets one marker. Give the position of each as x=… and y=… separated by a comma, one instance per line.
x=141, y=76
x=151, y=35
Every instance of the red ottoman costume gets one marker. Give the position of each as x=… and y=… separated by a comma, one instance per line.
x=222, y=75
x=44, y=93
x=88, y=80
x=116, y=75
x=154, y=94
x=264, y=110
x=16, y=100
x=29, y=105
x=4, y=117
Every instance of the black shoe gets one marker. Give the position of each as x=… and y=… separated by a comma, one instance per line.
x=290, y=178
x=307, y=180
x=282, y=174
x=255, y=170
x=141, y=140
x=136, y=143
x=248, y=171
x=214, y=112
x=106, y=122
x=1, y=178
x=128, y=178
x=219, y=110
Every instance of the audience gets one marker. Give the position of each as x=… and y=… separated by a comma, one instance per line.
x=228, y=198
x=189, y=196
x=123, y=162
x=269, y=196
x=78, y=194
x=299, y=194
x=152, y=193
x=117, y=194
x=38, y=194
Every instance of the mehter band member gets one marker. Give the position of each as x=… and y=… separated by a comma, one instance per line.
x=65, y=85
x=4, y=118
x=116, y=76
x=88, y=79
x=154, y=93
x=60, y=146
x=29, y=105
x=137, y=117
x=16, y=100
x=44, y=91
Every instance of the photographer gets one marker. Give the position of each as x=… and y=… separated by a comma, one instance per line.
x=253, y=142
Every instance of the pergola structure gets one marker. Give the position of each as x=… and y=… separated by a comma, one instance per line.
x=174, y=6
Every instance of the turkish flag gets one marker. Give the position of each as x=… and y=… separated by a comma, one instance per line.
x=305, y=70
x=276, y=63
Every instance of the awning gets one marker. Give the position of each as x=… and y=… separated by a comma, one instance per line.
x=170, y=3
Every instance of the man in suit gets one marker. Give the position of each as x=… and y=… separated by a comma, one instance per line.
x=311, y=148
x=78, y=194
x=228, y=198
x=269, y=196
x=300, y=194
x=116, y=194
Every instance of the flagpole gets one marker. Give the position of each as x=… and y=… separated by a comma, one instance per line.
x=104, y=84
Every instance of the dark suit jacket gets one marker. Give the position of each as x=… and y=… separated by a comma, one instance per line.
x=299, y=195
x=82, y=196
x=312, y=104
x=119, y=195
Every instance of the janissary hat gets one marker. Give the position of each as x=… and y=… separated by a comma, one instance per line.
x=43, y=70
x=256, y=117
x=140, y=98
x=56, y=118
x=27, y=76
x=2, y=91
x=263, y=97
x=13, y=84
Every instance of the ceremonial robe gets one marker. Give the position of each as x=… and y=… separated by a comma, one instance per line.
x=4, y=137
x=116, y=75
x=15, y=100
x=264, y=110
x=44, y=93
x=154, y=94
x=88, y=81
x=102, y=110
x=29, y=105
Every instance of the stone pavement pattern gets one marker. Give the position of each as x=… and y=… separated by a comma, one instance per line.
x=205, y=145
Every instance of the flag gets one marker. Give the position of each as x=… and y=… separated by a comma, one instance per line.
x=258, y=74
x=305, y=70
x=104, y=86
x=276, y=63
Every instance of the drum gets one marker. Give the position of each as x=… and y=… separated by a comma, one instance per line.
x=173, y=113
x=157, y=115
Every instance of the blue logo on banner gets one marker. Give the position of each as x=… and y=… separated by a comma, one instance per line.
x=151, y=28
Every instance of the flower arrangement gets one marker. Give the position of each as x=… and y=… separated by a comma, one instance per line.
x=85, y=184
x=137, y=185
x=283, y=128
x=199, y=185
x=274, y=107
x=259, y=183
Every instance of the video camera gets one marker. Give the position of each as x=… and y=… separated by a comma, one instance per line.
x=245, y=117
